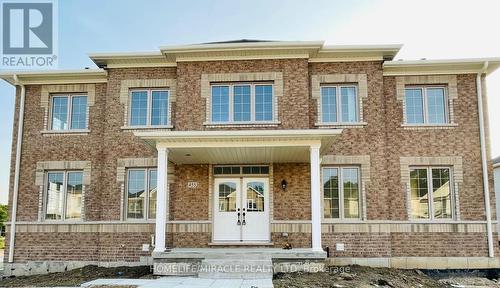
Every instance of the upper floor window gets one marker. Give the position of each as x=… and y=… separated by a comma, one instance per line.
x=242, y=103
x=339, y=104
x=426, y=105
x=149, y=107
x=68, y=112
x=430, y=193
x=141, y=193
x=341, y=192
x=63, y=195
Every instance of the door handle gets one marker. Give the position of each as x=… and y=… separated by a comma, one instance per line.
x=244, y=222
x=238, y=222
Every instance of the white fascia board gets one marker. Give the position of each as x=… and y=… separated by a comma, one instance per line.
x=242, y=46
x=47, y=76
x=313, y=133
x=440, y=66
x=362, y=48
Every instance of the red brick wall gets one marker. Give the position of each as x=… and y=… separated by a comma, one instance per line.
x=190, y=203
x=359, y=244
x=295, y=202
x=110, y=247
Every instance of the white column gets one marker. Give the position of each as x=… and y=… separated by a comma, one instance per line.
x=315, y=198
x=161, y=199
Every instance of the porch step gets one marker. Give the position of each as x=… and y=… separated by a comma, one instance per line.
x=237, y=267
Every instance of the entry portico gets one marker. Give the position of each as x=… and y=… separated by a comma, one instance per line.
x=243, y=147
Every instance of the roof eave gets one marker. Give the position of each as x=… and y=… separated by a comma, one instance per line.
x=55, y=76
x=136, y=59
x=443, y=66
x=242, y=46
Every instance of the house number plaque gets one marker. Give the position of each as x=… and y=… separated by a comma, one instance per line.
x=192, y=184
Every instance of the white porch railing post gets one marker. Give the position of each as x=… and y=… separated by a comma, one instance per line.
x=161, y=199
x=315, y=198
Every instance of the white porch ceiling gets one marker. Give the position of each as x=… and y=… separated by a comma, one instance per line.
x=240, y=146
x=239, y=155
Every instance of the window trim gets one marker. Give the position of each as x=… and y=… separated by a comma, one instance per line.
x=341, y=194
x=149, y=93
x=241, y=174
x=146, y=204
x=252, y=120
x=69, y=116
x=65, y=196
x=425, y=100
x=429, y=189
x=338, y=88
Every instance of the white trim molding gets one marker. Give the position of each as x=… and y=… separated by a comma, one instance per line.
x=126, y=85
x=42, y=167
x=360, y=80
x=454, y=162
x=451, y=91
x=275, y=77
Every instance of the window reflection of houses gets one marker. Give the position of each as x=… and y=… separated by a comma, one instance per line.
x=331, y=197
x=255, y=196
x=74, y=201
x=136, y=204
x=55, y=200
x=227, y=197
x=442, y=201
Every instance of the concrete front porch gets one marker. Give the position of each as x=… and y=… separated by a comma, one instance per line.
x=236, y=263
x=250, y=253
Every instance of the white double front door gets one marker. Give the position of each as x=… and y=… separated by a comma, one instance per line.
x=241, y=210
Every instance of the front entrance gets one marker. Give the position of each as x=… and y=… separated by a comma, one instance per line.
x=241, y=210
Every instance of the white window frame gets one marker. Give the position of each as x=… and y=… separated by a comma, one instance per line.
x=252, y=102
x=341, y=194
x=69, y=116
x=146, y=200
x=338, y=96
x=431, y=193
x=149, y=111
x=425, y=100
x=65, y=195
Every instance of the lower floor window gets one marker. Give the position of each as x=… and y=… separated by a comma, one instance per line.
x=64, y=192
x=141, y=193
x=341, y=192
x=430, y=193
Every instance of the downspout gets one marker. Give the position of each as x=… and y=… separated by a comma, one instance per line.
x=484, y=160
x=17, y=168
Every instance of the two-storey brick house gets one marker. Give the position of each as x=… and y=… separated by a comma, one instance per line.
x=253, y=144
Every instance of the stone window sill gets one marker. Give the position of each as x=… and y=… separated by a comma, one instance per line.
x=341, y=221
x=434, y=221
x=341, y=125
x=147, y=127
x=242, y=124
x=66, y=132
x=429, y=126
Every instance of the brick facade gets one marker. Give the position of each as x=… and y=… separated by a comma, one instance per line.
x=383, y=139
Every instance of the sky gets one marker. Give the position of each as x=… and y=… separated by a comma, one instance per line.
x=429, y=29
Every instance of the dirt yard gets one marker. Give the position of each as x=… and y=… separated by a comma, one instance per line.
x=336, y=277
x=361, y=277
x=77, y=276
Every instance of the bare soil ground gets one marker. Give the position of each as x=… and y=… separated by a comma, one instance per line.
x=336, y=277
x=77, y=276
x=367, y=277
